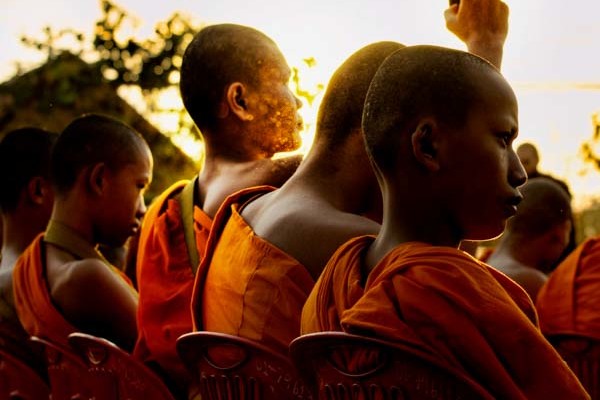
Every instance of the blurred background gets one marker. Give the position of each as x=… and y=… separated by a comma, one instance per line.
x=61, y=58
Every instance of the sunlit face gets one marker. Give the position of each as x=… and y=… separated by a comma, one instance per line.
x=125, y=199
x=528, y=159
x=277, y=123
x=482, y=164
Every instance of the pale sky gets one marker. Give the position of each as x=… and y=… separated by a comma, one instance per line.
x=551, y=54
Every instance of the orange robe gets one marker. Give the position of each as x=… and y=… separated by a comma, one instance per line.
x=246, y=286
x=445, y=302
x=569, y=302
x=165, y=282
x=33, y=302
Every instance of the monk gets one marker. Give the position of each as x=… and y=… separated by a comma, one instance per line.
x=234, y=84
x=100, y=170
x=26, y=202
x=274, y=271
x=283, y=238
x=536, y=236
x=569, y=303
x=439, y=126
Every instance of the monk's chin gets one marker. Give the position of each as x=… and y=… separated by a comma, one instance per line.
x=490, y=233
x=292, y=144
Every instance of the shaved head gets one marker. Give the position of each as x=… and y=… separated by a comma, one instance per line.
x=341, y=110
x=545, y=205
x=413, y=83
x=218, y=56
x=93, y=139
x=24, y=154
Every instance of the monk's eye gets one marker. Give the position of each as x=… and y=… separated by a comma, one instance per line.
x=506, y=138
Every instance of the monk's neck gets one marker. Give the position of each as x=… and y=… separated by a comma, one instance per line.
x=73, y=216
x=338, y=181
x=524, y=255
x=422, y=220
x=17, y=234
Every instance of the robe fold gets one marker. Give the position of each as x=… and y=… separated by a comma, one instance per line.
x=37, y=313
x=445, y=302
x=33, y=302
x=165, y=282
x=569, y=302
x=246, y=286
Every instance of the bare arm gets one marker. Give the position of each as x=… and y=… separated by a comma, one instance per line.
x=532, y=281
x=99, y=302
x=482, y=25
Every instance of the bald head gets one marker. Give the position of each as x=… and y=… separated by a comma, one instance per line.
x=24, y=154
x=341, y=110
x=415, y=83
x=93, y=139
x=545, y=205
x=529, y=157
x=218, y=56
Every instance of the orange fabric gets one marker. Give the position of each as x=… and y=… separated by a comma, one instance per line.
x=445, y=302
x=569, y=302
x=33, y=302
x=34, y=305
x=246, y=286
x=165, y=281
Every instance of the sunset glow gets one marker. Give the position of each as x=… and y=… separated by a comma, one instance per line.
x=550, y=57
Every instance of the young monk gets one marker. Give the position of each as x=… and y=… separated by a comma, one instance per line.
x=536, y=236
x=439, y=126
x=100, y=170
x=234, y=84
x=284, y=238
x=26, y=202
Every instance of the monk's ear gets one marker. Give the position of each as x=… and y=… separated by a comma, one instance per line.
x=425, y=144
x=37, y=190
x=236, y=99
x=96, y=178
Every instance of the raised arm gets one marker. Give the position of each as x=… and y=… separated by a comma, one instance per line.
x=482, y=25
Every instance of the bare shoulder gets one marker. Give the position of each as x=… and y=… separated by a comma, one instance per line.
x=307, y=229
x=82, y=277
x=528, y=278
x=95, y=299
x=530, y=275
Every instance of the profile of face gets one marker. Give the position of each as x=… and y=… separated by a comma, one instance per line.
x=483, y=163
x=125, y=206
x=276, y=123
x=528, y=158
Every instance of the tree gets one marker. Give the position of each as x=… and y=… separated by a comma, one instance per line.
x=152, y=64
x=588, y=147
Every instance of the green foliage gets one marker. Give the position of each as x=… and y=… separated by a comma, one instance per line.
x=588, y=151
x=301, y=92
x=153, y=63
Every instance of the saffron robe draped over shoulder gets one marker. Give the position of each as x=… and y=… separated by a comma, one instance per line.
x=445, y=302
x=246, y=286
x=569, y=302
x=165, y=281
x=33, y=302
x=37, y=314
